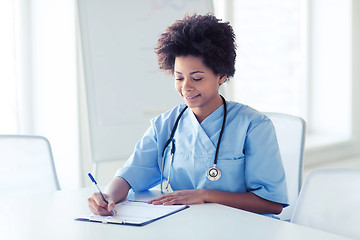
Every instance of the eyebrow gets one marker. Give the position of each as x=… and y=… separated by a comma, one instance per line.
x=190, y=73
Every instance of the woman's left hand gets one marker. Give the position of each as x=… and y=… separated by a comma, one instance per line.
x=195, y=196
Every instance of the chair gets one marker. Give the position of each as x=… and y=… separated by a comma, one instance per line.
x=290, y=132
x=330, y=201
x=26, y=165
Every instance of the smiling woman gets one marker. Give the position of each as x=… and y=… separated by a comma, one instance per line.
x=244, y=172
x=198, y=85
x=202, y=58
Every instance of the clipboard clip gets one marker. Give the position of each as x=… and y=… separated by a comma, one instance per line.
x=106, y=221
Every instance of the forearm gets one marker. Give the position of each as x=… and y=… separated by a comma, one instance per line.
x=118, y=189
x=245, y=201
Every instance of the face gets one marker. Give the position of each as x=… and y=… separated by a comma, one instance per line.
x=197, y=85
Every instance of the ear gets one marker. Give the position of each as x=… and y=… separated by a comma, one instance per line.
x=222, y=79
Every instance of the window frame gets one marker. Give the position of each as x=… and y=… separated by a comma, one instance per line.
x=322, y=151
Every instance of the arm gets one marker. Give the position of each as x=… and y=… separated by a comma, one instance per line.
x=116, y=192
x=245, y=201
x=137, y=172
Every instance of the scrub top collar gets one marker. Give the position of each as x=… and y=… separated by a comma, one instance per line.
x=208, y=127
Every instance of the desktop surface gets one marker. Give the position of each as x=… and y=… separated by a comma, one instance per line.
x=51, y=216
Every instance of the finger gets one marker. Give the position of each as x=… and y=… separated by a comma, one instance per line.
x=167, y=199
x=156, y=199
x=170, y=202
x=103, y=212
x=98, y=206
x=91, y=202
x=159, y=200
x=99, y=200
x=98, y=210
x=111, y=205
x=155, y=202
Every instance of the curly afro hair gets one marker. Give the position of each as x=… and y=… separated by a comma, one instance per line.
x=202, y=36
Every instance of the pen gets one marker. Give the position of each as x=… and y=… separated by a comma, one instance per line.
x=102, y=195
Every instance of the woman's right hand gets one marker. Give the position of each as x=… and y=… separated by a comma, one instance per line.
x=98, y=206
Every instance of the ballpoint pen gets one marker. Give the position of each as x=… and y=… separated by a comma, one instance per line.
x=102, y=195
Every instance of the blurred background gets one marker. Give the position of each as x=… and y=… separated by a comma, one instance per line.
x=299, y=57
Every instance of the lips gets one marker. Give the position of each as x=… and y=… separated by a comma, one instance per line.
x=192, y=97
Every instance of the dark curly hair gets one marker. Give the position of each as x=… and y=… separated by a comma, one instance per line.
x=203, y=36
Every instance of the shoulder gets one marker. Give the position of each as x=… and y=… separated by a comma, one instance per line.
x=167, y=118
x=246, y=113
x=246, y=116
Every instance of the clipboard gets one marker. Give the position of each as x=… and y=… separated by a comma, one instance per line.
x=136, y=213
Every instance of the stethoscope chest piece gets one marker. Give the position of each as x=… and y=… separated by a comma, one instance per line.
x=213, y=173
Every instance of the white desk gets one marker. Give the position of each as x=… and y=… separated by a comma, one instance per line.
x=51, y=216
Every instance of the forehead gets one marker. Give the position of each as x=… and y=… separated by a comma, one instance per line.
x=189, y=64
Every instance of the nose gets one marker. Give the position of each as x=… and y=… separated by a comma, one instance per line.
x=187, y=84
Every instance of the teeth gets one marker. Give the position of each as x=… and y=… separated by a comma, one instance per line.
x=191, y=97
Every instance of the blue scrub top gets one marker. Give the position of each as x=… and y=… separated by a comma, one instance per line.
x=249, y=157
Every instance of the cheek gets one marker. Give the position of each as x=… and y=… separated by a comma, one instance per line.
x=177, y=86
x=215, y=86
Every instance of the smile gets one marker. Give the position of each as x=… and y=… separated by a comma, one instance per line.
x=191, y=97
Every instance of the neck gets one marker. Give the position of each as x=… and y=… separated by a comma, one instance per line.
x=201, y=114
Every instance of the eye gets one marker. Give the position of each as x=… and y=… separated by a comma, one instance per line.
x=179, y=79
x=197, y=79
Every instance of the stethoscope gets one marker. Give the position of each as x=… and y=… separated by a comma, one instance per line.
x=213, y=173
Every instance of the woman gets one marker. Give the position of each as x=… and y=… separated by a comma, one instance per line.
x=209, y=150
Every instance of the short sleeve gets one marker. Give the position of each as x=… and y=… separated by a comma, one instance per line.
x=264, y=171
x=141, y=170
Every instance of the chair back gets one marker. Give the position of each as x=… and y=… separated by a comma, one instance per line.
x=290, y=133
x=26, y=165
x=330, y=201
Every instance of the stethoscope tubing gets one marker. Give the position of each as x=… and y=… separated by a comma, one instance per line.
x=172, y=140
x=221, y=131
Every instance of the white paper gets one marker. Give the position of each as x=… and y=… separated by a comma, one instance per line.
x=133, y=212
